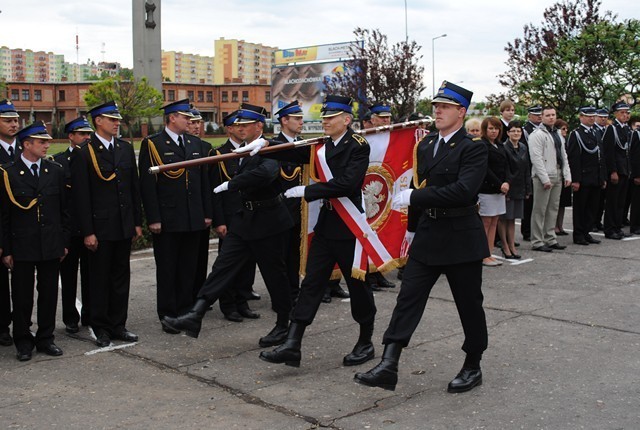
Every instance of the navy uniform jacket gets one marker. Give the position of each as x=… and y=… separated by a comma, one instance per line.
x=453, y=179
x=227, y=206
x=4, y=155
x=180, y=202
x=256, y=181
x=64, y=158
x=290, y=176
x=587, y=169
x=348, y=163
x=617, y=159
x=109, y=209
x=41, y=232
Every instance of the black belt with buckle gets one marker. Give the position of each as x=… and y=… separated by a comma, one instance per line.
x=268, y=203
x=327, y=204
x=436, y=213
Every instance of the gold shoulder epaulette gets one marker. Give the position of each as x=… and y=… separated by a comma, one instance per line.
x=54, y=162
x=361, y=140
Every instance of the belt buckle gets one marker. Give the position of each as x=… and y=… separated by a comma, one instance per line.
x=431, y=213
x=249, y=205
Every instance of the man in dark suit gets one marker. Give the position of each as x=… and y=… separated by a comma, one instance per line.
x=78, y=131
x=588, y=176
x=177, y=205
x=35, y=227
x=615, y=143
x=534, y=121
x=261, y=234
x=106, y=193
x=446, y=236
x=602, y=118
x=10, y=148
x=634, y=157
x=226, y=217
x=347, y=157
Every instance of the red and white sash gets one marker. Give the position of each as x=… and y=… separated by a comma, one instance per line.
x=368, y=245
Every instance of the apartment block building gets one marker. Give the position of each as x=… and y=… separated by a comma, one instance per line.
x=187, y=68
x=237, y=61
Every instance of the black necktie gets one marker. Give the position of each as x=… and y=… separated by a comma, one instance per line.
x=437, y=145
x=111, y=147
x=34, y=167
x=180, y=144
x=11, y=153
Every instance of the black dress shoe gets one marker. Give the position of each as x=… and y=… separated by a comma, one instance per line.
x=5, y=339
x=50, y=349
x=562, y=233
x=253, y=296
x=614, y=236
x=234, y=316
x=580, y=242
x=170, y=330
x=23, y=354
x=543, y=248
x=590, y=239
x=557, y=246
x=125, y=335
x=635, y=231
x=103, y=340
x=72, y=328
x=247, y=312
x=516, y=244
x=337, y=291
x=382, y=281
x=276, y=336
x=465, y=380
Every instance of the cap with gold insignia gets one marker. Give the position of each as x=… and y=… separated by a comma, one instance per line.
x=37, y=130
x=78, y=124
x=453, y=94
x=620, y=106
x=195, y=114
x=292, y=109
x=181, y=106
x=335, y=105
x=535, y=110
x=7, y=109
x=588, y=111
x=380, y=109
x=108, y=109
x=230, y=119
x=602, y=113
x=250, y=113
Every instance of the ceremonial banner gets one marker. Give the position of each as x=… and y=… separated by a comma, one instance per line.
x=390, y=171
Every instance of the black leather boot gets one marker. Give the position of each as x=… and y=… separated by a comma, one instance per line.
x=289, y=352
x=363, y=351
x=190, y=322
x=385, y=374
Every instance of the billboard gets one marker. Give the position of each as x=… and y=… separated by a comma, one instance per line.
x=334, y=51
x=305, y=83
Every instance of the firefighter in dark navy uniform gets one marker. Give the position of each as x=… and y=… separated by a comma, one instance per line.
x=36, y=233
x=446, y=236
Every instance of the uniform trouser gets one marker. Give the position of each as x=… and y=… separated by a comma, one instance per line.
x=22, y=277
x=601, y=204
x=268, y=253
x=545, y=212
x=5, y=300
x=465, y=282
x=236, y=297
x=525, y=223
x=176, y=256
x=585, y=209
x=78, y=255
x=634, y=217
x=614, y=204
x=203, y=261
x=109, y=285
x=323, y=255
x=293, y=261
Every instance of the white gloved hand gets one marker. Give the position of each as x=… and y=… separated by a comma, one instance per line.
x=222, y=187
x=253, y=147
x=295, y=192
x=406, y=243
x=402, y=199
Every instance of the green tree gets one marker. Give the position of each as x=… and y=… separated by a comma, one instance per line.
x=3, y=89
x=136, y=99
x=424, y=106
x=380, y=72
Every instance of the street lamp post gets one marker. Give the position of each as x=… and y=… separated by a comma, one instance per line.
x=433, y=62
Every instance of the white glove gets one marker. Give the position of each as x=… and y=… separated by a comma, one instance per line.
x=222, y=187
x=406, y=243
x=402, y=199
x=253, y=147
x=295, y=192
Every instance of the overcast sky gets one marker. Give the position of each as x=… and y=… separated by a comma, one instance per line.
x=472, y=53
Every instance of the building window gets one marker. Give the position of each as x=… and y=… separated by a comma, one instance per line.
x=37, y=95
x=267, y=96
x=245, y=96
x=26, y=96
x=225, y=96
x=172, y=95
x=210, y=96
x=190, y=95
x=234, y=96
x=164, y=95
x=15, y=95
x=61, y=96
x=200, y=96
